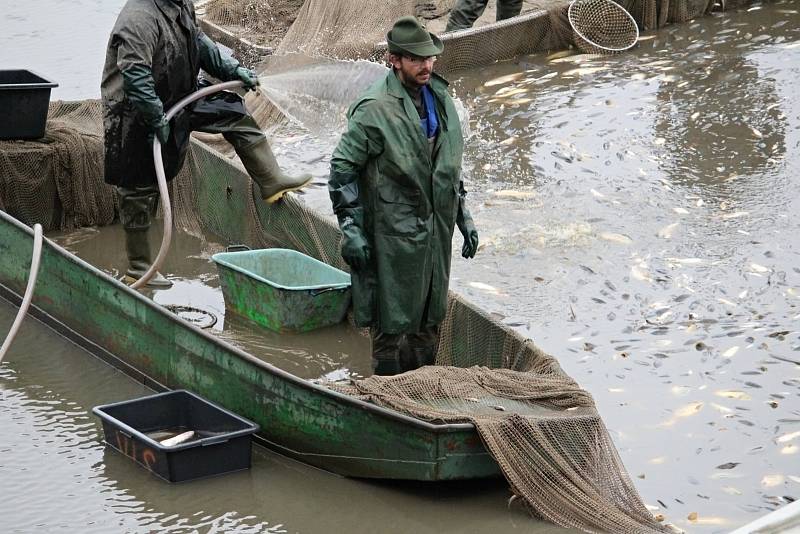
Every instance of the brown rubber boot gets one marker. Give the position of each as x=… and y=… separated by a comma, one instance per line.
x=262, y=167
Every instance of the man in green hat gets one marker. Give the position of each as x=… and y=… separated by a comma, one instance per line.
x=397, y=192
x=154, y=55
x=466, y=12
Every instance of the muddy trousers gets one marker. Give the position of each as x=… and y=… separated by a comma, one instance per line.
x=224, y=114
x=466, y=12
x=397, y=353
x=137, y=206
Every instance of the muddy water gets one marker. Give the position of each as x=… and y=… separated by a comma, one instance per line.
x=637, y=221
x=57, y=476
x=336, y=352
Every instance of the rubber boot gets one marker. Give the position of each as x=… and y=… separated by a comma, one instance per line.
x=137, y=245
x=262, y=167
x=136, y=207
x=385, y=352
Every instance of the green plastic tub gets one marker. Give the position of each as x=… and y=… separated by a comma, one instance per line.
x=283, y=290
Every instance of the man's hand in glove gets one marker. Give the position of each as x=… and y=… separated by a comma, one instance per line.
x=470, y=238
x=355, y=249
x=249, y=78
x=160, y=129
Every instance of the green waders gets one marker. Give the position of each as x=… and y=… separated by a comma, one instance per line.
x=397, y=353
x=249, y=142
x=466, y=12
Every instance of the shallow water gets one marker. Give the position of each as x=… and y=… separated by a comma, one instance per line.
x=636, y=219
x=56, y=474
x=336, y=352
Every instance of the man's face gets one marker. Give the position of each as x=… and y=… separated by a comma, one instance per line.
x=414, y=71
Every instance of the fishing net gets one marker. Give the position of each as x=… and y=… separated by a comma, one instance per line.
x=654, y=14
x=602, y=26
x=541, y=428
x=57, y=181
x=266, y=33
x=351, y=29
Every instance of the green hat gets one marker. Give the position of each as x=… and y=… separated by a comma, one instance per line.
x=409, y=37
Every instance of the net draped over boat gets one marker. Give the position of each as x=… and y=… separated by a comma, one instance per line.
x=541, y=428
x=57, y=181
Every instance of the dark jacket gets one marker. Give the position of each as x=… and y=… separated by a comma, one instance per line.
x=163, y=36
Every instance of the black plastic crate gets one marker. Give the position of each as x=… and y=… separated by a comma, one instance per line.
x=24, y=99
x=222, y=441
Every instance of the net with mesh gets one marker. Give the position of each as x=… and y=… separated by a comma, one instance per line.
x=268, y=32
x=355, y=28
x=57, y=181
x=602, y=26
x=541, y=428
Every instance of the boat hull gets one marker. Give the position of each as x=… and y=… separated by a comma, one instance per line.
x=297, y=417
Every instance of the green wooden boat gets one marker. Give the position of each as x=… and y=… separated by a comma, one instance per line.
x=298, y=418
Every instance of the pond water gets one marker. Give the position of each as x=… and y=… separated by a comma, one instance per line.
x=636, y=220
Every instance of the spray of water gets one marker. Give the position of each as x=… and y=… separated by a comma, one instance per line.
x=316, y=92
x=317, y=96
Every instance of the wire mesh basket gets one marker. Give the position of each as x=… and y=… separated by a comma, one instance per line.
x=602, y=26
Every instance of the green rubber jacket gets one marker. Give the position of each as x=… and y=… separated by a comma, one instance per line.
x=384, y=179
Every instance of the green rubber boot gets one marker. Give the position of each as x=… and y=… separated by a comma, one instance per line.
x=136, y=207
x=263, y=168
x=137, y=245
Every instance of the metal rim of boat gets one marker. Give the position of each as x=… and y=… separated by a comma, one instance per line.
x=50, y=321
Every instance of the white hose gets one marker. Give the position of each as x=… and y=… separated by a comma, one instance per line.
x=162, y=179
x=26, y=300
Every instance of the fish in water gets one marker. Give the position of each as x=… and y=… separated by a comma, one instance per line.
x=177, y=440
x=668, y=231
x=616, y=238
x=503, y=79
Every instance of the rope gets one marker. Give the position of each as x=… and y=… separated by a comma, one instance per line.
x=179, y=309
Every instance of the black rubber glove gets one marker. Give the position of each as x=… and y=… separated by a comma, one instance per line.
x=161, y=130
x=470, y=238
x=466, y=226
x=355, y=249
